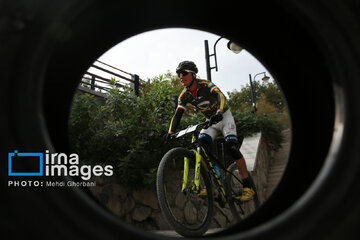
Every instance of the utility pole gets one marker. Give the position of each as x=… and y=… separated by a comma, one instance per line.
x=207, y=60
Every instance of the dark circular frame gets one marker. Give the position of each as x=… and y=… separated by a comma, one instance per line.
x=311, y=48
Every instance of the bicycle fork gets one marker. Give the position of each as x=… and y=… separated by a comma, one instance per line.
x=196, y=184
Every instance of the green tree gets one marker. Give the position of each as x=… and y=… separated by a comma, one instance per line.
x=273, y=95
x=242, y=100
x=268, y=97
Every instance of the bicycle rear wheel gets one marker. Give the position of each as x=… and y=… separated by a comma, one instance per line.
x=234, y=188
x=188, y=213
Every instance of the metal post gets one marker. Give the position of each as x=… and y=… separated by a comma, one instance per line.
x=207, y=60
x=214, y=54
x=136, y=85
x=92, y=83
x=252, y=95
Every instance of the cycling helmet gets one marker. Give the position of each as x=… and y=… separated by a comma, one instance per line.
x=187, y=65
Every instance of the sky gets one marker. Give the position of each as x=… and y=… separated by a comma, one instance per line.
x=153, y=53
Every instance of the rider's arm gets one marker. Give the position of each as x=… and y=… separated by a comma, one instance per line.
x=175, y=121
x=220, y=97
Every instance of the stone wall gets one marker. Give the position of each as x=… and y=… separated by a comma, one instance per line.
x=260, y=171
x=140, y=207
x=136, y=207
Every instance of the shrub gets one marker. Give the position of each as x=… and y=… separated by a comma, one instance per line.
x=127, y=132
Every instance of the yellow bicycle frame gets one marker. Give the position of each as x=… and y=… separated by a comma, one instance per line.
x=216, y=177
x=195, y=187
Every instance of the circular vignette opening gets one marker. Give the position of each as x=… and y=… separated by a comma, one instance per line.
x=113, y=145
x=282, y=54
x=297, y=74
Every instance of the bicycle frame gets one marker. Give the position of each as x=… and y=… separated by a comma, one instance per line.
x=200, y=153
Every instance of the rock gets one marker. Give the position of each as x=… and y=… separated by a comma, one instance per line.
x=105, y=194
x=179, y=214
x=202, y=213
x=160, y=221
x=220, y=219
x=115, y=206
x=213, y=224
x=141, y=213
x=190, y=213
x=128, y=218
x=119, y=191
x=96, y=191
x=146, y=197
x=226, y=212
x=128, y=205
x=180, y=200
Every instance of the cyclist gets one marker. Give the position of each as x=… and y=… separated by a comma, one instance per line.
x=208, y=99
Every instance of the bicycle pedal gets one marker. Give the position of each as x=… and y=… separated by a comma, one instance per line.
x=203, y=193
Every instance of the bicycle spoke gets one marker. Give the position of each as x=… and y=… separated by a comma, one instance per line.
x=187, y=208
x=239, y=208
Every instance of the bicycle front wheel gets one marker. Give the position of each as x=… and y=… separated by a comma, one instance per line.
x=234, y=188
x=190, y=211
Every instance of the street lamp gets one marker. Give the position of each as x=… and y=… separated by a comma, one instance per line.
x=265, y=78
x=231, y=45
x=237, y=49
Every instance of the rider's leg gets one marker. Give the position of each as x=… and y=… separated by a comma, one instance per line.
x=233, y=149
x=231, y=145
x=241, y=166
x=205, y=141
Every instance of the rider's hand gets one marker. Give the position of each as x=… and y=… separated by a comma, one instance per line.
x=214, y=119
x=168, y=136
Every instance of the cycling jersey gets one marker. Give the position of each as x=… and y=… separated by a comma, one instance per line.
x=208, y=99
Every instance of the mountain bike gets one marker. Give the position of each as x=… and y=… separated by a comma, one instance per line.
x=188, y=182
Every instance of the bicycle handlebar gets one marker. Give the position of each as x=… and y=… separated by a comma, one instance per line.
x=191, y=129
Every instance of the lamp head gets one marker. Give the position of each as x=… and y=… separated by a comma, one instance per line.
x=234, y=47
x=265, y=78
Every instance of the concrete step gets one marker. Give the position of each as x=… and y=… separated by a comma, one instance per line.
x=273, y=181
x=276, y=170
x=274, y=177
x=275, y=173
x=272, y=184
x=269, y=191
x=278, y=165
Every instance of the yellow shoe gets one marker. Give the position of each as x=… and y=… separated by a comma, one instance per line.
x=247, y=194
x=203, y=192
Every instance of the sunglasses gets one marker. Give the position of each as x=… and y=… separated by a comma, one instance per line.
x=184, y=73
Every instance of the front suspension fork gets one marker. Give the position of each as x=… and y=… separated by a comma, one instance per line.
x=196, y=184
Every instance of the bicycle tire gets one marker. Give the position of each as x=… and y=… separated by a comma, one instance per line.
x=165, y=202
x=249, y=206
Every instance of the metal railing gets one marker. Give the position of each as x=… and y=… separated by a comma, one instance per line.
x=99, y=78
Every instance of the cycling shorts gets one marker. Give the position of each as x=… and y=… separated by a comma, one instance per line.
x=226, y=127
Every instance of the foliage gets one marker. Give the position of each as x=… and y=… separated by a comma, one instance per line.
x=268, y=98
x=127, y=131
x=247, y=124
